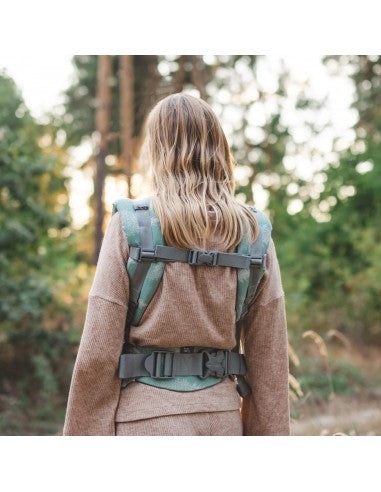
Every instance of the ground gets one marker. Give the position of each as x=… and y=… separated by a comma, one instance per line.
x=354, y=405
x=341, y=415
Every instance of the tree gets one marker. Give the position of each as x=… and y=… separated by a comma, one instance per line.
x=127, y=114
x=333, y=268
x=103, y=128
x=135, y=85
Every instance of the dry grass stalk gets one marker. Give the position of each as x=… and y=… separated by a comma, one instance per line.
x=292, y=395
x=322, y=347
x=317, y=339
x=293, y=356
x=294, y=383
x=340, y=336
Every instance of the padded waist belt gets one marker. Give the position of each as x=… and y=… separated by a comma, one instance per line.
x=166, y=364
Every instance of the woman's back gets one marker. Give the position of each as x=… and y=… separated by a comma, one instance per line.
x=192, y=306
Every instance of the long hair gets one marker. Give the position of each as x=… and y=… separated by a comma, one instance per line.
x=193, y=173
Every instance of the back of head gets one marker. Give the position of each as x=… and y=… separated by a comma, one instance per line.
x=193, y=175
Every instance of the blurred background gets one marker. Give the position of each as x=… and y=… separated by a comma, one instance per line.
x=306, y=136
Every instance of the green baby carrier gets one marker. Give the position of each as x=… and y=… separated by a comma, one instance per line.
x=183, y=368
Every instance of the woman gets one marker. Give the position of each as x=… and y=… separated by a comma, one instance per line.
x=193, y=306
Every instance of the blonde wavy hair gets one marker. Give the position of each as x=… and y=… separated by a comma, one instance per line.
x=192, y=171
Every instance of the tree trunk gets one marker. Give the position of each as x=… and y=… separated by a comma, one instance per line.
x=102, y=124
x=180, y=76
x=197, y=75
x=126, y=75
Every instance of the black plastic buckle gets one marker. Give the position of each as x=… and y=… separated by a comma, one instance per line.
x=200, y=257
x=147, y=255
x=126, y=382
x=159, y=364
x=214, y=363
x=256, y=261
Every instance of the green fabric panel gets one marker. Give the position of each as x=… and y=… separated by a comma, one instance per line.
x=130, y=227
x=181, y=383
x=265, y=224
x=129, y=221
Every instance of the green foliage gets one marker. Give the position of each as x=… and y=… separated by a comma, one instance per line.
x=342, y=378
x=35, y=252
x=332, y=268
x=29, y=185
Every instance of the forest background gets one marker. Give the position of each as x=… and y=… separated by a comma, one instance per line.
x=316, y=173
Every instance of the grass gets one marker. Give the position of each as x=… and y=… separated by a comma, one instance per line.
x=344, y=378
x=340, y=387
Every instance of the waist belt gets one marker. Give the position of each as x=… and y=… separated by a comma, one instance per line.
x=163, y=364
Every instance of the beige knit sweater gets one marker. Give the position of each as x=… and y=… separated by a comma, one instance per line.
x=192, y=306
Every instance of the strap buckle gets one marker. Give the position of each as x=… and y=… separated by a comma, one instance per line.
x=257, y=261
x=201, y=257
x=144, y=254
x=159, y=364
x=216, y=364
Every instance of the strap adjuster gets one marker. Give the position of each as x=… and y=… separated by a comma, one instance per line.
x=201, y=257
x=257, y=261
x=141, y=254
x=159, y=364
x=215, y=364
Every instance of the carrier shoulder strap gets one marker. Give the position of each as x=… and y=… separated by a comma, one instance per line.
x=142, y=229
x=248, y=281
x=258, y=253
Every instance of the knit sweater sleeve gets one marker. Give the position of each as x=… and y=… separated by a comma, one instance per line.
x=265, y=344
x=95, y=387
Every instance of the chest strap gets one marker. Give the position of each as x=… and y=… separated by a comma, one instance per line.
x=196, y=256
x=162, y=364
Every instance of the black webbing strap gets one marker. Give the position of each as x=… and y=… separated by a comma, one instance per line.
x=194, y=256
x=167, y=364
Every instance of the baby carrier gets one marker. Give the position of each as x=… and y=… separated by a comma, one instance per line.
x=183, y=368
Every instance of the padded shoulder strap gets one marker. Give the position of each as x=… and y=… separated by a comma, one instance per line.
x=248, y=280
x=142, y=228
x=258, y=248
